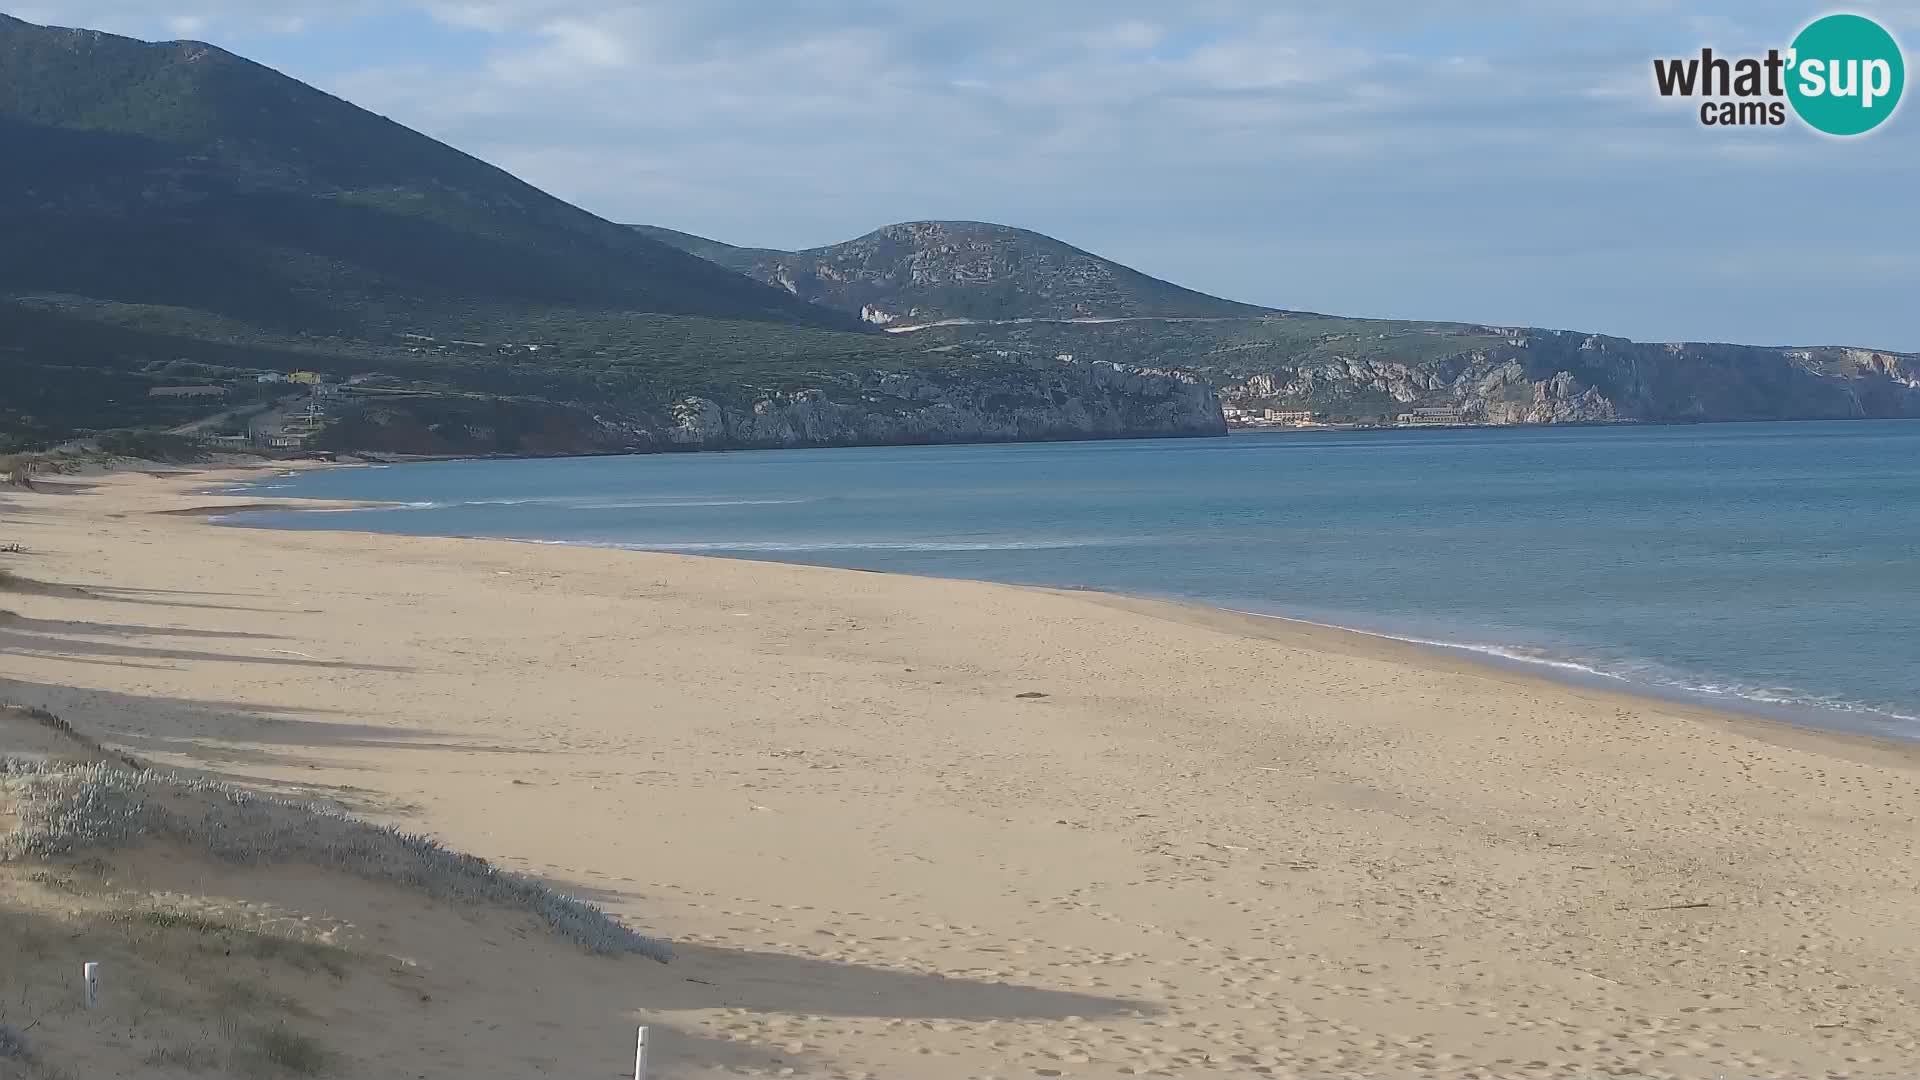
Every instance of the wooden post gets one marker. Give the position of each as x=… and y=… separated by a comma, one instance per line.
x=91, y=973
x=640, y=1057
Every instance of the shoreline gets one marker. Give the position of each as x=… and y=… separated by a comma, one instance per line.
x=1785, y=727
x=901, y=825
x=1860, y=723
x=1778, y=730
x=1863, y=723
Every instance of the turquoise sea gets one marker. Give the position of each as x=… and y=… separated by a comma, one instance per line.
x=1769, y=567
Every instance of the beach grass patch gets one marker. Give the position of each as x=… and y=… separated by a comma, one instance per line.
x=292, y=1051
x=64, y=809
x=185, y=1057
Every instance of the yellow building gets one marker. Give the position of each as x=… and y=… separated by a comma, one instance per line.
x=305, y=378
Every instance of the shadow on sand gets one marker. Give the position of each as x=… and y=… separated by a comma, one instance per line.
x=702, y=978
x=228, y=732
x=40, y=641
x=110, y=594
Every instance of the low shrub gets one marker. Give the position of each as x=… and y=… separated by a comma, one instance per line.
x=293, y=1051
x=153, y=446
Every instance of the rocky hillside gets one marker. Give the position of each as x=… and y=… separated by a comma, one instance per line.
x=176, y=217
x=180, y=175
x=1003, y=290
x=1042, y=400
x=1364, y=371
x=921, y=272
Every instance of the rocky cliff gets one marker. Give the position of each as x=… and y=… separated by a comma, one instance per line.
x=969, y=286
x=1542, y=377
x=1036, y=400
x=1371, y=371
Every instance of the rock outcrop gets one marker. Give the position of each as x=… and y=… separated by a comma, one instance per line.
x=1038, y=400
x=1544, y=377
x=973, y=286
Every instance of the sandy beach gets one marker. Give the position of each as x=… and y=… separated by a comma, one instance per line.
x=927, y=829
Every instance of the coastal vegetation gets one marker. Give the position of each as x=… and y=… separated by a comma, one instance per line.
x=63, y=810
x=970, y=285
x=199, y=982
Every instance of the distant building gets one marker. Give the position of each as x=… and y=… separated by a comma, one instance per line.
x=1288, y=416
x=187, y=391
x=270, y=377
x=305, y=378
x=1432, y=417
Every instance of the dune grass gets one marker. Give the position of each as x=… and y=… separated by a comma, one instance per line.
x=178, y=996
x=18, y=583
x=292, y=1051
x=63, y=809
x=185, y=1057
x=45, y=719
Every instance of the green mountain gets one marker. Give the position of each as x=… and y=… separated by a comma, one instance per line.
x=1376, y=371
x=173, y=215
x=183, y=176
x=1012, y=292
x=920, y=272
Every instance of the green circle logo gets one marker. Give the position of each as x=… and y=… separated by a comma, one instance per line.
x=1846, y=75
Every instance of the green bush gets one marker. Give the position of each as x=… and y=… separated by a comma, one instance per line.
x=153, y=446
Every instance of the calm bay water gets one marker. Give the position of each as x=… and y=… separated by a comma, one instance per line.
x=1774, y=567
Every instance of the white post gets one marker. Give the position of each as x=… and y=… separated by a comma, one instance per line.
x=91, y=973
x=640, y=1057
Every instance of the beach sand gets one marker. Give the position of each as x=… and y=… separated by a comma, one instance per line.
x=904, y=827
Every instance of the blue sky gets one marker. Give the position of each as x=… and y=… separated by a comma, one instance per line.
x=1503, y=161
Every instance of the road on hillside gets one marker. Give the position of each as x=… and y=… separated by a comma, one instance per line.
x=256, y=414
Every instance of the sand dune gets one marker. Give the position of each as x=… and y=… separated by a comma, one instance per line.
x=901, y=827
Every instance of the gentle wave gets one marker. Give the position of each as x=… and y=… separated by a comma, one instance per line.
x=1778, y=697
x=247, y=517
x=1789, y=698
x=772, y=546
x=1502, y=652
x=664, y=504
x=564, y=502
x=575, y=503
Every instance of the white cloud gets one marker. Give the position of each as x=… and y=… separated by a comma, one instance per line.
x=568, y=50
x=192, y=18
